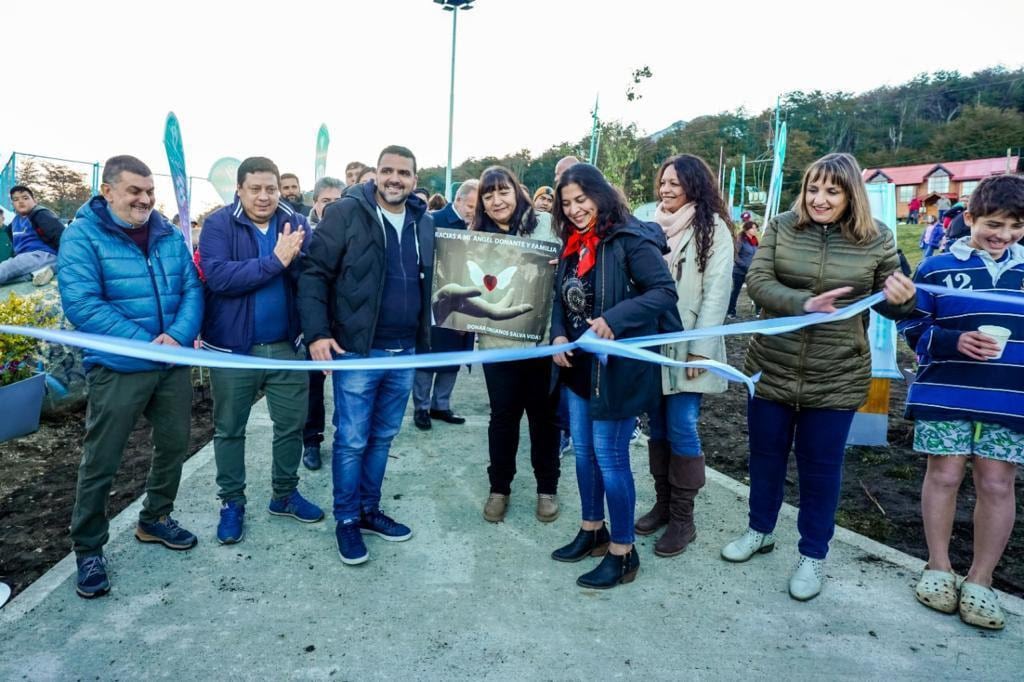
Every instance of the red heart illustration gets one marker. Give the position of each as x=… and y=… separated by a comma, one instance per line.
x=490, y=281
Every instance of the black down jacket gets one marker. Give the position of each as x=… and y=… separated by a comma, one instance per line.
x=636, y=295
x=342, y=280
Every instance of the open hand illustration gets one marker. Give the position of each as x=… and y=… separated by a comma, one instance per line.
x=456, y=298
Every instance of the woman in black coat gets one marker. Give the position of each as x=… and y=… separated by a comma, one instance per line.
x=612, y=279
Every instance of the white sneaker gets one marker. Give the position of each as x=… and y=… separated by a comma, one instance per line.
x=806, y=581
x=637, y=432
x=564, y=445
x=42, y=276
x=747, y=545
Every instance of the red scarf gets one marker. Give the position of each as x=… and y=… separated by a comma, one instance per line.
x=585, y=244
x=751, y=239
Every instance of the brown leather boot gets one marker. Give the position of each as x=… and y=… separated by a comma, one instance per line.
x=658, y=454
x=686, y=478
x=495, y=508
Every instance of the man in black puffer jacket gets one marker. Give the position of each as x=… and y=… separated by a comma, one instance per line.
x=365, y=292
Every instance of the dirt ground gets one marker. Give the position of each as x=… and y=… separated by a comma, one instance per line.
x=37, y=489
x=891, y=475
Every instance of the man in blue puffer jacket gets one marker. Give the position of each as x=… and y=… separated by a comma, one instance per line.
x=125, y=272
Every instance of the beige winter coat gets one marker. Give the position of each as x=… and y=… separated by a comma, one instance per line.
x=703, y=302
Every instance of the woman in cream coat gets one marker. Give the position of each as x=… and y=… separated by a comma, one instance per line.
x=700, y=259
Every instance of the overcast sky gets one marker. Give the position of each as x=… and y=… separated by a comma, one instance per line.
x=87, y=80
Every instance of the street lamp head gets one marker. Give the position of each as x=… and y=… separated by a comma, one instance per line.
x=452, y=5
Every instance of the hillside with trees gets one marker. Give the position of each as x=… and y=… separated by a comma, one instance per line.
x=943, y=116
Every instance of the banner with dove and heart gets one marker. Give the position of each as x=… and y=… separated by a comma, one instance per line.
x=493, y=284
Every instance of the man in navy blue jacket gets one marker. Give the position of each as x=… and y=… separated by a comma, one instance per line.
x=126, y=273
x=250, y=255
x=457, y=215
x=365, y=292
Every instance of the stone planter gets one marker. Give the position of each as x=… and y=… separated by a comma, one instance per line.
x=23, y=403
x=62, y=363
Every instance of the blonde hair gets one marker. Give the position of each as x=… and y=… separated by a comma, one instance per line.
x=857, y=224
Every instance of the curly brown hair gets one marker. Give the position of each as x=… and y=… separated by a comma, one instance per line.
x=699, y=185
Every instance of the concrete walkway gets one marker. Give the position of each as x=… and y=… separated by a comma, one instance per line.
x=465, y=599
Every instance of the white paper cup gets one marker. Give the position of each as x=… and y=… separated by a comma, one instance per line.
x=1000, y=334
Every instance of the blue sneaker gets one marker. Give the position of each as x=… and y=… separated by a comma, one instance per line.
x=92, y=576
x=297, y=507
x=351, y=547
x=232, y=523
x=167, y=532
x=380, y=524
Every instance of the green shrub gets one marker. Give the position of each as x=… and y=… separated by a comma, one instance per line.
x=19, y=354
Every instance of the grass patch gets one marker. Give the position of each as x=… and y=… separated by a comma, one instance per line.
x=908, y=238
x=872, y=524
x=874, y=456
x=907, y=472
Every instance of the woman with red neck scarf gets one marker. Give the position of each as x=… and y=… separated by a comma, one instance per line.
x=746, y=247
x=696, y=224
x=612, y=280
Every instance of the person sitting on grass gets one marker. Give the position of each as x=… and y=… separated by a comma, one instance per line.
x=966, y=400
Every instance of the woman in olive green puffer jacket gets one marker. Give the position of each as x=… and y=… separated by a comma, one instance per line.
x=826, y=365
x=826, y=253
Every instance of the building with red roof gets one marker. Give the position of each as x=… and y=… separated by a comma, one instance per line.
x=932, y=181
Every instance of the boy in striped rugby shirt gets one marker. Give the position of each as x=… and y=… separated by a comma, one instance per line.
x=968, y=401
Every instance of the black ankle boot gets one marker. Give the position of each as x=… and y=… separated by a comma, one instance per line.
x=612, y=570
x=586, y=543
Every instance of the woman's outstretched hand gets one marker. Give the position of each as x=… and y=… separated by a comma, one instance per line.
x=826, y=302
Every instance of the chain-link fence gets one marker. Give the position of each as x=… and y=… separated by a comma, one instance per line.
x=63, y=185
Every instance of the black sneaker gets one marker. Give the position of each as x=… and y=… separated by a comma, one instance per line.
x=421, y=418
x=383, y=526
x=447, y=416
x=311, y=457
x=92, y=576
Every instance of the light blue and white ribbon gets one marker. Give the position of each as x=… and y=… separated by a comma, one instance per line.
x=634, y=348
x=177, y=355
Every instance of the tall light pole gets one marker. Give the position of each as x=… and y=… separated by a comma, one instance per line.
x=452, y=6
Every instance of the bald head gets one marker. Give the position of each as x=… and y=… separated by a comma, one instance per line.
x=563, y=164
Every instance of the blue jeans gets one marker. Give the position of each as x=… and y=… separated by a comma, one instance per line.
x=602, y=467
x=563, y=407
x=738, y=278
x=675, y=420
x=818, y=438
x=368, y=410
